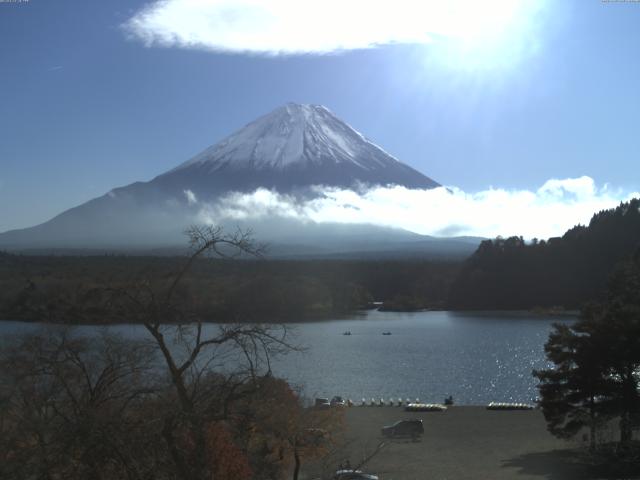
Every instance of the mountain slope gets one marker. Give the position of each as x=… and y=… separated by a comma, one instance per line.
x=289, y=150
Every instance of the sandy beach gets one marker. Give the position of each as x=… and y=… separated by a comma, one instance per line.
x=461, y=443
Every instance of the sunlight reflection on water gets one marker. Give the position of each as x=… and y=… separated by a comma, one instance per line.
x=477, y=357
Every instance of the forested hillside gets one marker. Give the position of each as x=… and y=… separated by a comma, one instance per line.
x=567, y=271
x=502, y=274
x=71, y=289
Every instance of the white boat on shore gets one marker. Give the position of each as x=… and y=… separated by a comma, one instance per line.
x=509, y=406
x=425, y=407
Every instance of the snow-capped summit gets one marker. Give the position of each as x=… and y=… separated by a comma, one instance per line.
x=293, y=134
x=291, y=149
x=298, y=145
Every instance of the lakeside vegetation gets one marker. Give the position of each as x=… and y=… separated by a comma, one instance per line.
x=66, y=288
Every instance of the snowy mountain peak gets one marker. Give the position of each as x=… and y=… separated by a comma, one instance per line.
x=296, y=149
x=294, y=135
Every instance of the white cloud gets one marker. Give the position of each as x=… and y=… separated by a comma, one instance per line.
x=191, y=197
x=306, y=26
x=546, y=212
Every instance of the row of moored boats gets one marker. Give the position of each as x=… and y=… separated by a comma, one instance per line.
x=418, y=406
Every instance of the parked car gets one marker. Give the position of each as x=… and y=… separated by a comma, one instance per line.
x=322, y=403
x=338, y=402
x=353, y=475
x=404, y=428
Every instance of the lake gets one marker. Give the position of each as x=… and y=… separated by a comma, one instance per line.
x=476, y=357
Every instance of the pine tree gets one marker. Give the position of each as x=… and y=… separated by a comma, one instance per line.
x=571, y=391
x=597, y=363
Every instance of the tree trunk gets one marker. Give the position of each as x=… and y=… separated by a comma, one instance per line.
x=176, y=375
x=629, y=397
x=167, y=433
x=592, y=425
x=626, y=431
x=592, y=437
x=296, y=469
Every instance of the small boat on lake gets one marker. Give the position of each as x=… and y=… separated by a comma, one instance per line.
x=386, y=333
x=347, y=333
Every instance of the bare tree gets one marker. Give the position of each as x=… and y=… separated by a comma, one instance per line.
x=209, y=366
x=71, y=407
x=161, y=408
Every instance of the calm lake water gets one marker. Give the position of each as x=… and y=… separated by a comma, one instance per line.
x=476, y=357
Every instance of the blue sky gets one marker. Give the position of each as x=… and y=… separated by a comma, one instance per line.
x=86, y=105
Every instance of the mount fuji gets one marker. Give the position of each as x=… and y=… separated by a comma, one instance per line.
x=292, y=150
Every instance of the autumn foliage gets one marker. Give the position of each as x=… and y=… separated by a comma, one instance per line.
x=226, y=460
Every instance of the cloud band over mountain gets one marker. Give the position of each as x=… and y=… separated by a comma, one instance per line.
x=549, y=211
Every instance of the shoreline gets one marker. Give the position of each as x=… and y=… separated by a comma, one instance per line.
x=567, y=314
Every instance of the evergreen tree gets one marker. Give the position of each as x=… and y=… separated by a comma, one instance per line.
x=571, y=391
x=620, y=334
x=597, y=363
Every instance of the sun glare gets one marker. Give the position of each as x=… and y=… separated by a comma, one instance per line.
x=474, y=35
